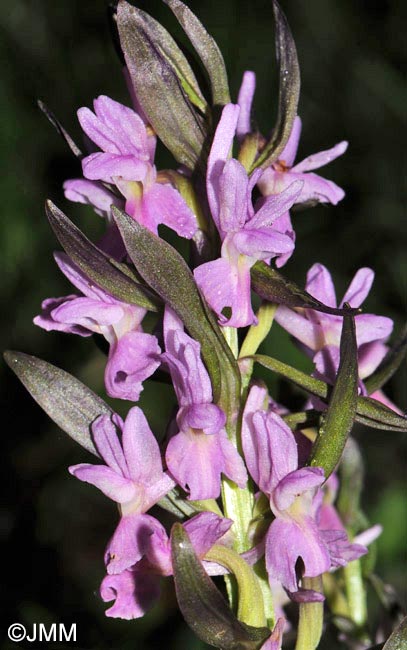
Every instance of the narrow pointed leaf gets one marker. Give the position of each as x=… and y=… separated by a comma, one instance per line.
x=166, y=272
x=58, y=126
x=270, y=285
x=113, y=277
x=207, y=49
x=164, y=83
x=398, y=640
x=389, y=365
x=369, y=411
x=340, y=416
x=65, y=399
x=202, y=605
x=289, y=90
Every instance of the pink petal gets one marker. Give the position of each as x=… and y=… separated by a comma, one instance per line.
x=372, y=328
x=134, y=593
x=275, y=206
x=286, y=542
x=296, y=483
x=205, y=529
x=218, y=155
x=89, y=313
x=106, y=166
x=310, y=334
x=48, y=323
x=320, y=285
x=227, y=285
x=130, y=542
x=245, y=100
x=141, y=449
x=134, y=358
x=254, y=441
x=207, y=417
x=113, y=485
x=359, y=288
x=233, y=197
x=164, y=204
x=322, y=158
x=128, y=128
x=107, y=443
x=290, y=151
x=282, y=448
x=370, y=356
x=262, y=243
x=91, y=193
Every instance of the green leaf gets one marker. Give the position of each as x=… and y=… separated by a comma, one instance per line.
x=398, y=640
x=65, y=399
x=270, y=285
x=340, y=416
x=166, y=272
x=207, y=49
x=202, y=605
x=111, y=276
x=389, y=365
x=369, y=411
x=289, y=90
x=164, y=84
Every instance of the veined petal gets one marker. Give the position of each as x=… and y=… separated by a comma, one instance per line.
x=359, y=288
x=254, y=440
x=141, y=449
x=164, y=204
x=218, y=155
x=286, y=542
x=134, y=592
x=296, y=483
x=322, y=158
x=233, y=197
x=91, y=193
x=106, y=166
x=290, y=150
x=130, y=542
x=245, y=100
x=107, y=443
x=233, y=465
x=113, y=485
x=320, y=285
x=282, y=446
x=99, y=133
x=340, y=549
x=133, y=358
x=128, y=128
x=227, y=285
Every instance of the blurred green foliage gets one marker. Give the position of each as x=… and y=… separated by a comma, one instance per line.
x=351, y=55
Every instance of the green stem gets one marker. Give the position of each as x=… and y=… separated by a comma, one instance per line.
x=250, y=592
x=311, y=618
x=355, y=592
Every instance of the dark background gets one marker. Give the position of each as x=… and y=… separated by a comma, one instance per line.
x=351, y=53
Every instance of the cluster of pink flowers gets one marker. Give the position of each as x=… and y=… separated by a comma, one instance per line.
x=244, y=212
